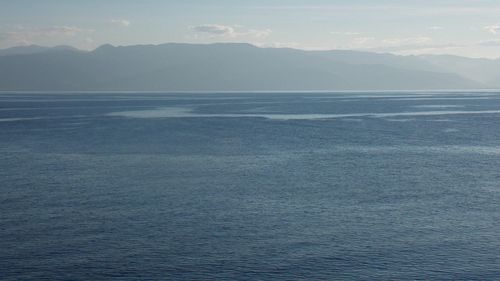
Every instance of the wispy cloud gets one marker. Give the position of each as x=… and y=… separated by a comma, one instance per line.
x=229, y=31
x=216, y=29
x=292, y=45
x=420, y=47
x=346, y=33
x=407, y=41
x=27, y=35
x=444, y=9
x=495, y=28
x=414, y=47
x=373, y=43
x=489, y=43
x=120, y=22
x=59, y=30
x=362, y=40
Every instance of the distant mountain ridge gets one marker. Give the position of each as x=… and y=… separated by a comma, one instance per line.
x=33, y=49
x=234, y=67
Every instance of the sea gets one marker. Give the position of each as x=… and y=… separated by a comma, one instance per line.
x=250, y=185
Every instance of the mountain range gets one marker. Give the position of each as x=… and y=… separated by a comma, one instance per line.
x=234, y=67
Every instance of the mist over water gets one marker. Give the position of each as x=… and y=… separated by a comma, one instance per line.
x=260, y=186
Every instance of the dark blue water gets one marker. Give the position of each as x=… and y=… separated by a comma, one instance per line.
x=276, y=186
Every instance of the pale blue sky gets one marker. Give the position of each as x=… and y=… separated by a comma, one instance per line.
x=462, y=27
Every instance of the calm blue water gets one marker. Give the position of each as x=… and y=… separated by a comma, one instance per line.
x=276, y=186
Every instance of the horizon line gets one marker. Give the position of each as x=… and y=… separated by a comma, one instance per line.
x=251, y=44
x=257, y=92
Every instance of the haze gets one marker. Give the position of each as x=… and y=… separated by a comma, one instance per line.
x=468, y=28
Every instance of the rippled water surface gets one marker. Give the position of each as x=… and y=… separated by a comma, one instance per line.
x=250, y=186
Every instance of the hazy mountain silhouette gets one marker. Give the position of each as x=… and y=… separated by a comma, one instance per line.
x=238, y=67
x=485, y=71
x=33, y=49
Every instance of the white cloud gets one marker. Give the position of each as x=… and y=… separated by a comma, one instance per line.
x=230, y=31
x=120, y=22
x=495, y=29
x=347, y=33
x=430, y=48
x=489, y=43
x=15, y=38
x=292, y=45
x=362, y=40
x=407, y=41
x=59, y=30
x=400, y=8
x=436, y=27
x=258, y=33
x=21, y=35
x=217, y=29
x=414, y=47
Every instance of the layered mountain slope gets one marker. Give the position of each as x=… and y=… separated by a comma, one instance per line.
x=228, y=67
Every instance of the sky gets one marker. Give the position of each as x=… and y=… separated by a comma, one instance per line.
x=459, y=27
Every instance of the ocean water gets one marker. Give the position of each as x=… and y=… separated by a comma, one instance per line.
x=250, y=186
